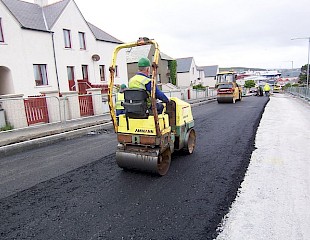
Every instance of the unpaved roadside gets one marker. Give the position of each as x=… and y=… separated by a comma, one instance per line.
x=274, y=199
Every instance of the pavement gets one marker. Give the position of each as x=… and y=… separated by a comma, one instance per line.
x=274, y=199
x=18, y=140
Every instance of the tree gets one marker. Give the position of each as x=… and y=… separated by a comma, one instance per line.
x=303, y=74
x=249, y=84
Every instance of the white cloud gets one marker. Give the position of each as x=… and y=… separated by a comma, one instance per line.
x=246, y=33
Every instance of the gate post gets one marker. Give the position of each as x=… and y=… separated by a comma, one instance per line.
x=53, y=105
x=97, y=100
x=14, y=107
x=72, y=105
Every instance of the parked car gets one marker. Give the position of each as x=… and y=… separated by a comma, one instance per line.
x=277, y=88
x=253, y=90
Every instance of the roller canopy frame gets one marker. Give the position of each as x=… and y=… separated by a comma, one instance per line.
x=140, y=42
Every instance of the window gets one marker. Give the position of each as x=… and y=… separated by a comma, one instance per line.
x=193, y=70
x=40, y=74
x=67, y=38
x=1, y=32
x=70, y=71
x=82, y=40
x=225, y=86
x=102, y=72
x=85, y=72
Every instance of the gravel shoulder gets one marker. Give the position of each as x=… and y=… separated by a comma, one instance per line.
x=274, y=198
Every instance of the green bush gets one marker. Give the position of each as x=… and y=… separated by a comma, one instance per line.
x=7, y=127
x=199, y=87
x=249, y=84
x=287, y=85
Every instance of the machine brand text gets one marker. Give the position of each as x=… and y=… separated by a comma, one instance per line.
x=144, y=130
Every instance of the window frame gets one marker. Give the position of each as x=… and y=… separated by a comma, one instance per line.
x=43, y=78
x=82, y=37
x=1, y=32
x=72, y=72
x=69, y=46
x=83, y=72
x=102, y=73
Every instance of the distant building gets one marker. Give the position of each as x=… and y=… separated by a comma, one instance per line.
x=207, y=75
x=135, y=53
x=187, y=73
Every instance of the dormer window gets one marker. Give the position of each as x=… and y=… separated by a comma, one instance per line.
x=82, y=41
x=1, y=32
x=67, y=38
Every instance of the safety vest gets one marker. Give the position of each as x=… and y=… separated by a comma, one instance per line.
x=267, y=87
x=119, y=100
x=139, y=81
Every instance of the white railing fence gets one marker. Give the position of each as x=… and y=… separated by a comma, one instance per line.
x=21, y=112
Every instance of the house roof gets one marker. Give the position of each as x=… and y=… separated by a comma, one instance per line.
x=165, y=56
x=32, y=16
x=53, y=11
x=29, y=15
x=135, y=53
x=210, y=71
x=102, y=35
x=184, y=64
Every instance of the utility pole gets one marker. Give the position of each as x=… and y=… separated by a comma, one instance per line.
x=308, y=56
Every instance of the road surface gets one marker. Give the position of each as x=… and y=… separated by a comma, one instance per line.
x=74, y=189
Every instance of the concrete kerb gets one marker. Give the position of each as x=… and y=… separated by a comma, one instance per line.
x=42, y=139
x=198, y=102
x=46, y=140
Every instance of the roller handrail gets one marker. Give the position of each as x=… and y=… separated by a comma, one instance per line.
x=140, y=42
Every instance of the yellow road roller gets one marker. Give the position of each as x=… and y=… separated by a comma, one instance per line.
x=147, y=139
x=228, y=91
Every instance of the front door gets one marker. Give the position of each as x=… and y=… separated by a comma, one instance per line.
x=71, y=81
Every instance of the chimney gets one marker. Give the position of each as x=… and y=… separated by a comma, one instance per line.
x=41, y=3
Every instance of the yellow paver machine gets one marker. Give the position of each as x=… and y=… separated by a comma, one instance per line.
x=147, y=139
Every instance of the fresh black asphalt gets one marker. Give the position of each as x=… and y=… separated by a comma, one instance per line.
x=98, y=200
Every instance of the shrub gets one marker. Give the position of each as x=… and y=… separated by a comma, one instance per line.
x=7, y=127
x=199, y=87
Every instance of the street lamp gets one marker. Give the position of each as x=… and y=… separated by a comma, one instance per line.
x=290, y=62
x=308, y=56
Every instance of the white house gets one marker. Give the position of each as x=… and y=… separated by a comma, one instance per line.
x=50, y=47
x=208, y=75
x=187, y=74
